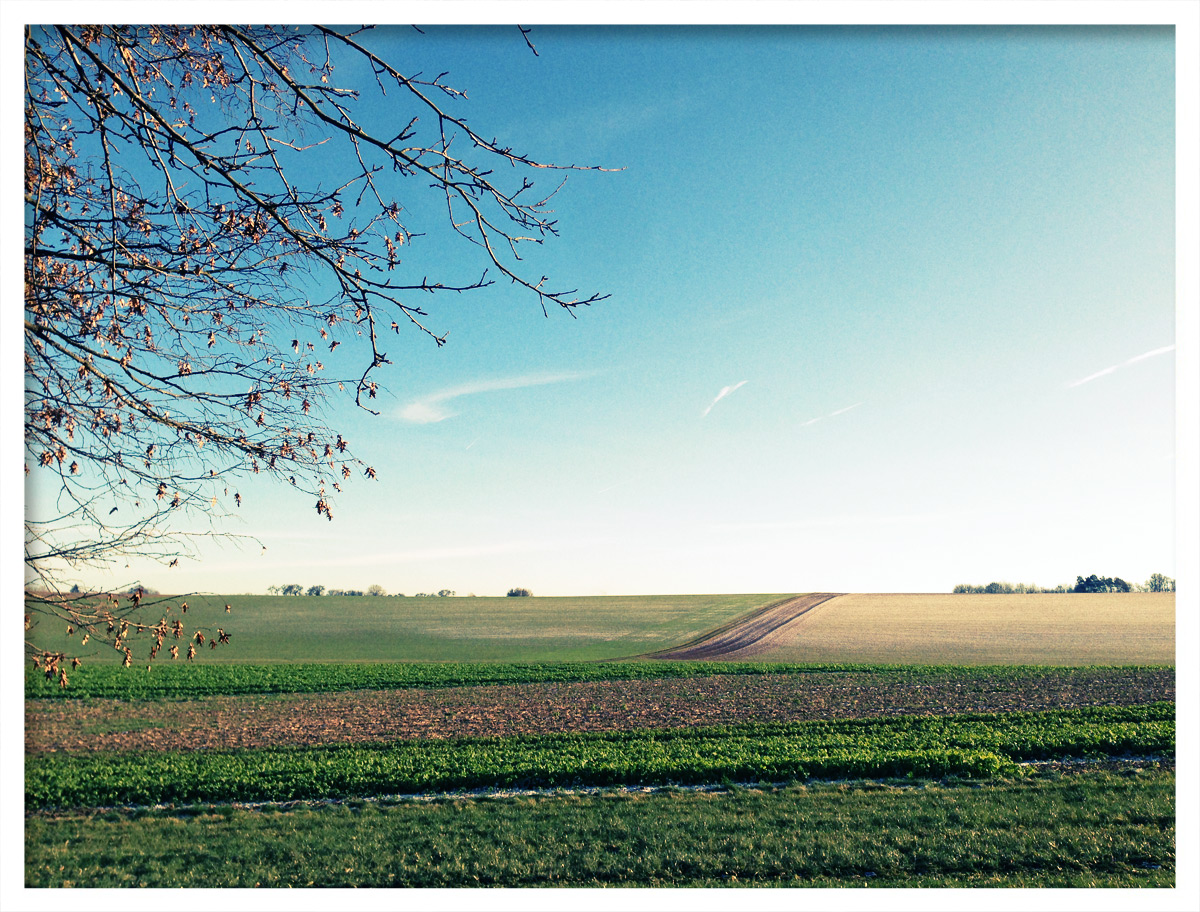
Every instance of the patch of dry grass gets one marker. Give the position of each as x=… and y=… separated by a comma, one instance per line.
x=963, y=629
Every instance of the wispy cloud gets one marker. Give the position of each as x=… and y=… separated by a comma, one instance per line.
x=725, y=391
x=1117, y=367
x=621, y=483
x=840, y=411
x=436, y=407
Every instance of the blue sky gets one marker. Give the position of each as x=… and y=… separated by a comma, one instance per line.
x=891, y=309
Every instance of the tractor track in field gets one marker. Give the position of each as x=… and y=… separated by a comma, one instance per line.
x=751, y=635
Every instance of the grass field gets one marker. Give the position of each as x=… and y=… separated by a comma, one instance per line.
x=938, y=629
x=270, y=629
x=1090, y=829
x=1097, y=824
x=1042, y=629
x=309, y=702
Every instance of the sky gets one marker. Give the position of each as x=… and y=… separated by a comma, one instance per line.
x=891, y=309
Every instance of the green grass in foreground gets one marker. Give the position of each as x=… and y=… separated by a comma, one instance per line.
x=175, y=681
x=1088, y=829
x=982, y=745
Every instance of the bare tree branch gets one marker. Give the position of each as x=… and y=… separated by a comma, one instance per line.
x=525, y=34
x=174, y=238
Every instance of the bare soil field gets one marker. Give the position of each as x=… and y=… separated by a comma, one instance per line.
x=1041, y=629
x=258, y=721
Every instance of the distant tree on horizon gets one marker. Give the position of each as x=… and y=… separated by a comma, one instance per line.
x=1160, y=583
x=519, y=593
x=1096, y=583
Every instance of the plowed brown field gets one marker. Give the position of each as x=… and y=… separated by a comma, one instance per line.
x=234, y=722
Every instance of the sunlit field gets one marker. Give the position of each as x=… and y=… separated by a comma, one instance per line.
x=269, y=629
x=927, y=629
x=932, y=769
x=1085, y=830
x=1041, y=629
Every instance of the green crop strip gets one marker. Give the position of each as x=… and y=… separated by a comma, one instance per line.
x=1090, y=828
x=974, y=745
x=166, y=681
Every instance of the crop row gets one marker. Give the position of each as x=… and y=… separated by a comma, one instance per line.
x=975, y=745
x=176, y=681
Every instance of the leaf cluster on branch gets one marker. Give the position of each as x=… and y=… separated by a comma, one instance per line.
x=113, y=618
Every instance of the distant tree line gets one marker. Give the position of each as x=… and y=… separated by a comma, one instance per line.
x=1157, y=583
x=519, y=593
x=374, y=589
x=136, y=587
x=297, y=589
x=1008, y=588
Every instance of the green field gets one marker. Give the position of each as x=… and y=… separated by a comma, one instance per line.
x=973, y=745
x=1089, y=829
x=271, y=629
x=936, y=629
x=712, y=773
x=183, y=681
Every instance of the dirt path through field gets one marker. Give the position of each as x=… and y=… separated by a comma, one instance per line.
x=752, y=635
